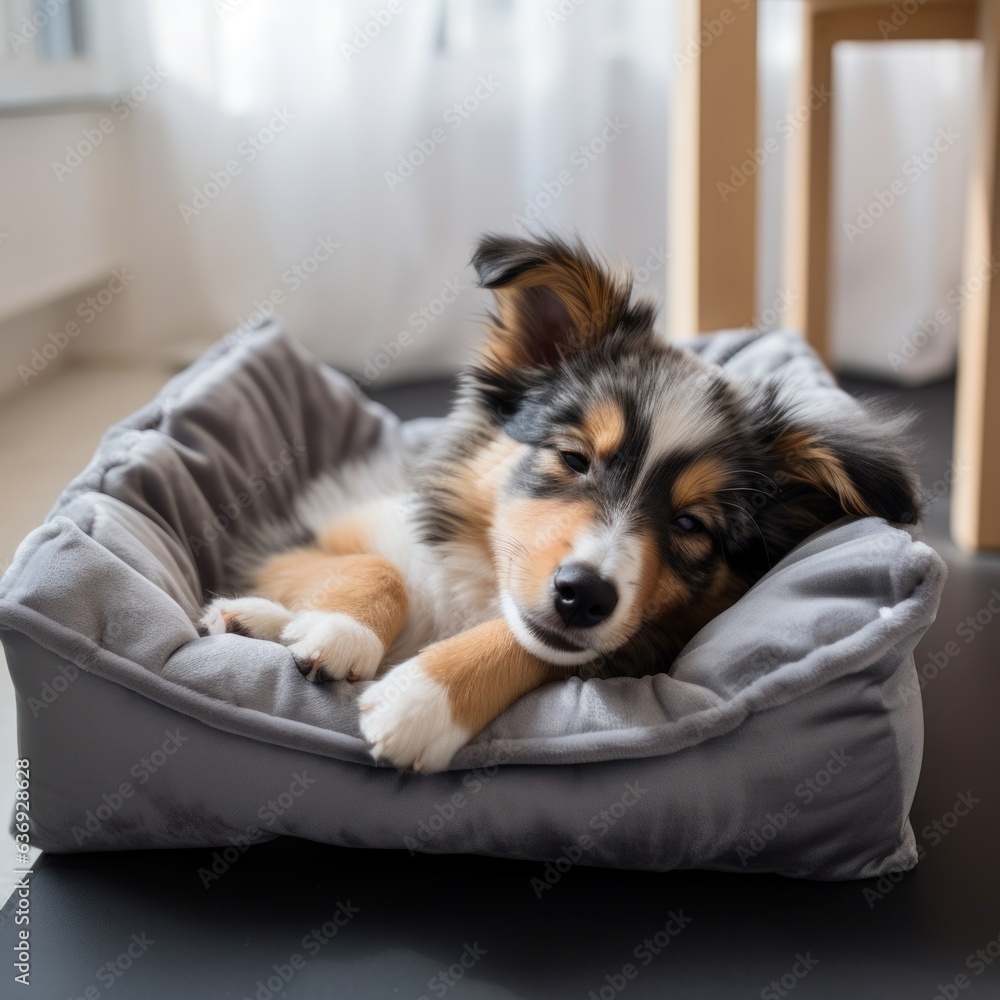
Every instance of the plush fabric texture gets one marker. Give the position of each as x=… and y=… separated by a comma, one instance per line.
x=786, y=737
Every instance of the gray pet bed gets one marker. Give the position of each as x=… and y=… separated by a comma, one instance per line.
x=786, y=738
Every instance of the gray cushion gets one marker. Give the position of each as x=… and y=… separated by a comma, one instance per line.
x=786, y=737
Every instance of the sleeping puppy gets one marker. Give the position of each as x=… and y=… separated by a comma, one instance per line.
x=595, y=497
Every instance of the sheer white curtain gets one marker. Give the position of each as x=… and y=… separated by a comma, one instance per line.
x=398, y=132
x=903, y=136
x=334, y=162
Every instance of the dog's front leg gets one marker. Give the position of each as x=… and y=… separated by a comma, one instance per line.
x=423, y=710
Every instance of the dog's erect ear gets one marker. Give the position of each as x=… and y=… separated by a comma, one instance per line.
x=552, y=299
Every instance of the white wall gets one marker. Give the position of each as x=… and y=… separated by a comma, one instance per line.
x=60, y=242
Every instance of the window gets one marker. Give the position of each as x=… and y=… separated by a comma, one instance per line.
x=54, y=52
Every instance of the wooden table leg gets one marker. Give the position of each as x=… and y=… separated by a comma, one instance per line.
x=975, y=510
x=711, y=234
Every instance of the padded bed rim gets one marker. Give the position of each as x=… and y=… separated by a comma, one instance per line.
x=848, y=655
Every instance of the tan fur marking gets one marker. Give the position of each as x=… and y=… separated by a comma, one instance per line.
x=661, y=588
x=349, y=536
x=604, y=428
x=594, y=299
x=549, y=462
x=812, y=462
x=502, y=351
x=478, y=483
x=698, y=483
x=531, y=538
x=484, y=671
x=367, y=588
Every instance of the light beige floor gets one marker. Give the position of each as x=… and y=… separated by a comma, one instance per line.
x=48, y=433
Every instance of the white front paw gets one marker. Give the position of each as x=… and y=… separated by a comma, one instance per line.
x=329, y=646
x=250, y=616
x=406, y=719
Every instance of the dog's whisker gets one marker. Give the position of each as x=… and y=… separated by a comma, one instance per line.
x=746, y=489
x=757, y=472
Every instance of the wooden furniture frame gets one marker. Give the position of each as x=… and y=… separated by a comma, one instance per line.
x=712, y=240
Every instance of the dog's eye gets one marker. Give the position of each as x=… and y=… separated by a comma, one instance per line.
x=688, y=524
x=575, y=461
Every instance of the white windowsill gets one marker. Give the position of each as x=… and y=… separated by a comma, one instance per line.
x=39, y=87
x=48, y=289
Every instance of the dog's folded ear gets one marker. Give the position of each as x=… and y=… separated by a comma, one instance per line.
x=856, y=456
x=553, y=298
x=825, y=461
x=867, y=481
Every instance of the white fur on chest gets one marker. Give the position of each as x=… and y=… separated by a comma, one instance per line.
x=452, y=586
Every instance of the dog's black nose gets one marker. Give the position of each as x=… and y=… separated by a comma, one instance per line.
x=582, y=597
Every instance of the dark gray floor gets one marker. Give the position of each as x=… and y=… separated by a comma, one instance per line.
x=908, y=938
